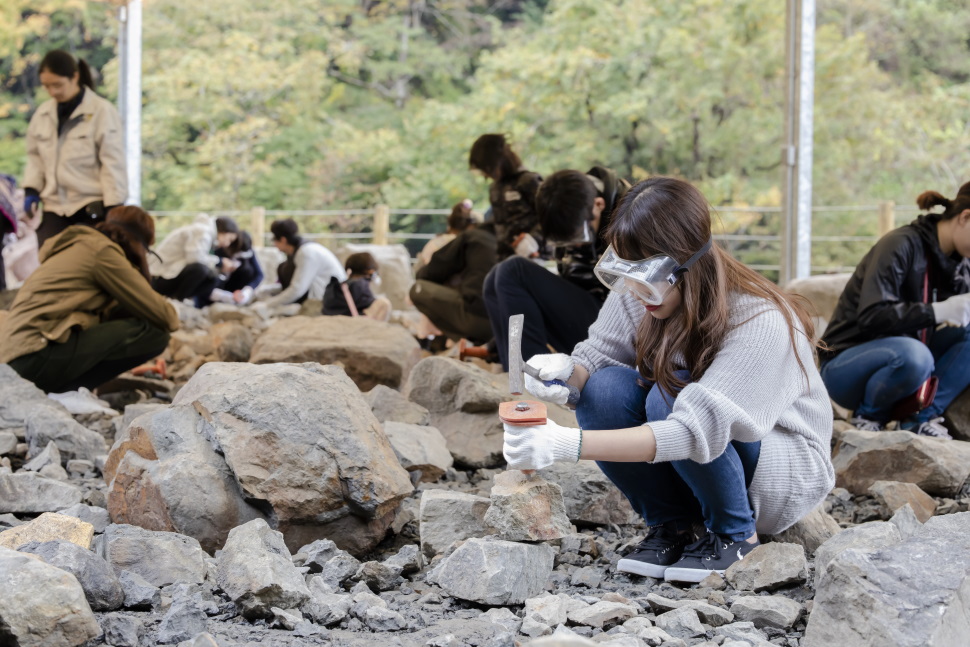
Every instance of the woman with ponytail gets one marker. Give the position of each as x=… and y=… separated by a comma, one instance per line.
x=88, y=313
x=696, y=392
x=903, y=319
x=76, y=168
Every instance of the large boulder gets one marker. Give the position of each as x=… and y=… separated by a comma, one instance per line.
x=293, y=443
x=861, y=458
x=371, y=352
x=914, y=593
x=395, y=270
x=463, y=403
x=591, y=498
x=42, y=605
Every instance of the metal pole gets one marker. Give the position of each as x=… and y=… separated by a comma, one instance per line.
x=129, y=93
x=798, y=146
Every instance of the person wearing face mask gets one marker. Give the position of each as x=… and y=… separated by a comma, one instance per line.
x=76, y=167
x=698, y=392
x=362, y=273
x=902, y=324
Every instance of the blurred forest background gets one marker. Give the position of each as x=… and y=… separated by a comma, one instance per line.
x=302, y=104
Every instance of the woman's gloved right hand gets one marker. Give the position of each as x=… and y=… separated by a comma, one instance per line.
x=954, y=311
x=557, y=366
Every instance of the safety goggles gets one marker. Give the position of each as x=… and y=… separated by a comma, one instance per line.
x=581, y=236
x=650, y=279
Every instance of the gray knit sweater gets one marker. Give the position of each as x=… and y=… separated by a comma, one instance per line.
x=753, y=390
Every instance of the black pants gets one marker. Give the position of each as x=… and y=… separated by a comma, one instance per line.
x=240, y=278
x=446, y=309
x=53, y=224
x=93, y=356
x=195, y=281
x=557, y=313
x=284, y=274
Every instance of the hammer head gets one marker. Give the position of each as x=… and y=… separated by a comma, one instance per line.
x=516, y=381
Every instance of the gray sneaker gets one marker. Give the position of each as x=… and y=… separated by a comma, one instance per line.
x=864, y=424
x=934, y=428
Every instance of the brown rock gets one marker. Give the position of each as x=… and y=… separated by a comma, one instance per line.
x=527, y=508
x=811, y=531
x=49, y=526
x=822, y=292
x=895, y=495
x=233, y=341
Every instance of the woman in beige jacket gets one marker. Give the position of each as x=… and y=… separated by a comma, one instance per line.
x=75, y=156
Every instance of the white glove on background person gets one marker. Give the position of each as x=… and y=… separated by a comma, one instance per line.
x=556, y=366
x=538, y=447
x=955, y=311
x=526, y=246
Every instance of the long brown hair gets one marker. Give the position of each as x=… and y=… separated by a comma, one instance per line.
x=668, y=216
x=134, y=231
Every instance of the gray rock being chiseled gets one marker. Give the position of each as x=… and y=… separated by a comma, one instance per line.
x=526, y=508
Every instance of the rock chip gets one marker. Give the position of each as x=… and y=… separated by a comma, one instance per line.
x=101, y=586
x=51, y=455
x=31, y=493
x=73, y=440
x=743, y=632
x=811, y=531
x=338, y=569
x=41, y=604
x=420, y=448
x=907, y=523
x=768, y=567
x=681, y=623
x=183, y=621
x=590, y=497
x=49, y=526
x=526, y=508
x=161, y=558
x=327, y=609
x=97, y=517
x=446, y=517
x=8, y=442
x=767, y=610
x=895, y=495
x=377, y=352
x=378, y=576
x=256, y=571
x=390, y=405
x=140, y=594
x=122, y=630
x=867, y=537
x=408, y=560
x=712, y=615
x=602, y=613
x=548, y=609
x=489, y=571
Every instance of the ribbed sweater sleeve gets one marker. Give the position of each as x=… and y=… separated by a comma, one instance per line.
x=612, y=337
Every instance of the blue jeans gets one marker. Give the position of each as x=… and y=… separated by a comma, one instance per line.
x=871, y=377
x=681, y=492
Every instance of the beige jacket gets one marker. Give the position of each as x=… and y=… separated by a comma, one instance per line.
x=85, y=164
x=84, y=276
x=184, y=246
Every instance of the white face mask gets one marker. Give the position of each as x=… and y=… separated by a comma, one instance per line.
x=375, y=280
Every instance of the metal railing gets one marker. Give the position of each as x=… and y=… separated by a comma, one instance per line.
x=761, y=251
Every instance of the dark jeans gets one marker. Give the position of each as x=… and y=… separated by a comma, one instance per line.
x=872, y=377
x=93, y=356
x=557, y=312
x=195, y=281
x=239, y=278
x=446, y=309
x=53, y=224
x=682, y=491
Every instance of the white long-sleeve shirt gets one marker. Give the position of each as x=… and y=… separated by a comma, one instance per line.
x=186, y=245
x=754, y=390
x=315, y=266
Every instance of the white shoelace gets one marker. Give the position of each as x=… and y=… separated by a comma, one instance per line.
x=864, y=424
x=934, y=428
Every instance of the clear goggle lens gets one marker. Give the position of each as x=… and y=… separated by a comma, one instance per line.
x=650, y=279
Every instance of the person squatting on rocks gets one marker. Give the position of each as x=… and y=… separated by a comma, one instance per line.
x=458, y=312
x=239, y=271
x=512, y=195
x=699, y=396
x=88, y=313
x=362, y=269
x=903, y=317
x=75, y=157
x=308, y=269
x=184, y=266
x=574, y=211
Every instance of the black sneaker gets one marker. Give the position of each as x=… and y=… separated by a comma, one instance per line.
x=710, y=554
x=659, y=549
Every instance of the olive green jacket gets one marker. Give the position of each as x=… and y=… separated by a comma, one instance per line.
x=84, y=279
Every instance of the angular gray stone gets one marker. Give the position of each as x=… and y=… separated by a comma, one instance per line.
x=768, y=567
x=587, y=576
x=547, y=609
x=907, y=523
x=204, y=639
x=327, y=609
x=8, y=442
x=380, y=619
x=912, y=593
x=41, y=604
x=391, y=405
x=97, y=517
x=811, y=531
x=767, y=610
x=447, y=516
x=161, y=558
x=681, y=623
x=256, y=571
x=708, y=613
x=420, y=448
x=409, y=560
x=590, y=497
x=72, y=439
x=495, y=572
x=319, y=553
x=526, y=508
x=140, y=594
x=602, y=612
x=504, y=617
x=339, y=569
x=122, y=630
x=868, y=537
x=286, y=619
x=744, y=632
x=101, y=586
x=895, y=495
x=183, y=621
x=31, y=493
x=50, y=455
x=378, y=576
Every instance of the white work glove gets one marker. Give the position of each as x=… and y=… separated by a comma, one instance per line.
x=557, y=366
x=537, y=447
x=526, y=246
x=955, y=311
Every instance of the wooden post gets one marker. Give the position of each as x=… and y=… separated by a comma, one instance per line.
x=257, y=222
x=887, y=217
x=382, y=224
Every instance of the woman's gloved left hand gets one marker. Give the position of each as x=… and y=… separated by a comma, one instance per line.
x=539, y=446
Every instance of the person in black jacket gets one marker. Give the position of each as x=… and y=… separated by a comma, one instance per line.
x=512, y=195
x=362, y=271
x=458, y=312
x=574, y=209
x=906, y=289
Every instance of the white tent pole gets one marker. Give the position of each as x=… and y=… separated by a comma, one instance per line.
x=129, y=93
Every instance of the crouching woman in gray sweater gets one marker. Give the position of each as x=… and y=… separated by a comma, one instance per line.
x=699, y=393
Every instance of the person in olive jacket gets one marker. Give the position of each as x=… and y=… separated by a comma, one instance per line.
x=904, y=316
x=88, y=313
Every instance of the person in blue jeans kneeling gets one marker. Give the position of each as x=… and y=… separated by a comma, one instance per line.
x=904, y=316
x=698, y=392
